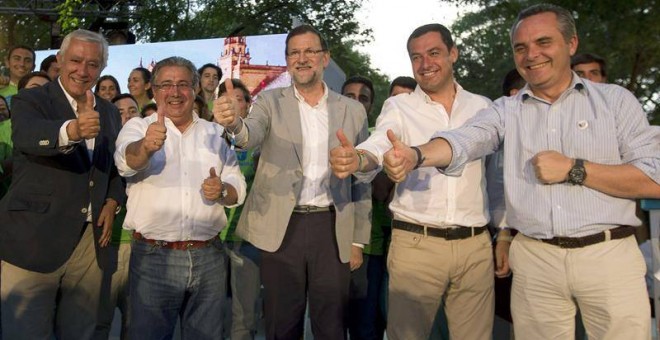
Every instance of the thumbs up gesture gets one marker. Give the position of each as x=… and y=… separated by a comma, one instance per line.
x=344, y=160
x=225, y=108
x=399, y=160
x=212, y=186
x=88, y=124
x=154, y=138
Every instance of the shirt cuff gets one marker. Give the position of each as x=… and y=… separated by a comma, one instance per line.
x=359, y=245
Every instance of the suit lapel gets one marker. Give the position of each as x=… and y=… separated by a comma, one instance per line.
x=336, y=116
x=61, y=102
x=290, y=117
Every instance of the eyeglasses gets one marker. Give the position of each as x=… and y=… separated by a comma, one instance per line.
x=167, y=87
x=295, y=55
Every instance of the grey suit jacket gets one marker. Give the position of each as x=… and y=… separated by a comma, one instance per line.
x=274, y=125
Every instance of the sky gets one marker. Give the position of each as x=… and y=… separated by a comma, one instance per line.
x=392, y=21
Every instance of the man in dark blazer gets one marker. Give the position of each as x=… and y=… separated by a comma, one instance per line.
x=61, y=203
x=310, y=225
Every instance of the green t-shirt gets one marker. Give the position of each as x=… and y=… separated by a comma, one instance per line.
x=119, y=234
x=248, y=167
x=8, y=91
x=6, y=147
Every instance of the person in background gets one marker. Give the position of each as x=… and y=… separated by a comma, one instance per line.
x=148, y=110
x=402, y=84
x=244, y=258
x=309, y=224
x=571, y=184
x=33, y=79
x=201, y=109
x=50, y=66
x=180, y=174
x=20, y=61
x=61, y=204
x=114, y=289
x=6, y=146
x=139, y=86
x=589, y=66
x=107, y=87
x=209, y=79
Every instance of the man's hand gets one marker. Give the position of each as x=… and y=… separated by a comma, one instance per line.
x=105, y=221
x=225, y=108
x=343, y=159
x=154, y=138
x=212, y=186
x=356, y=257
x=551, y=167
x=88, y=124
x=399, y=160
x=502, y=259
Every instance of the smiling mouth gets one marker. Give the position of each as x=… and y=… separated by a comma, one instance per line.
x=538, y=66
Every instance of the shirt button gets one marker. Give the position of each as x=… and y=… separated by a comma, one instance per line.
x=91, y=184
x=83, y=210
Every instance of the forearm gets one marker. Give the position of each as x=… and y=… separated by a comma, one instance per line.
x=437, y=153
x=369, y=162
x=625, y=181
x=137, y=157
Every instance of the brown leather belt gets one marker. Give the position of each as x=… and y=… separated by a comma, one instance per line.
x=176, y=245
x=309, y=209
x=579, y=242
x=446, y=233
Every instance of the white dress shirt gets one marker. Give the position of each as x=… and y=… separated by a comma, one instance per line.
x=314, y=122
x=165, y=200
x=426, y=196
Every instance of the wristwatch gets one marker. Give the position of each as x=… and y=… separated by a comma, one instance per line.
x=577, y=174
x=420, y=157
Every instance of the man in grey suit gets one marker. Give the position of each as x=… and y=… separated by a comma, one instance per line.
x=309, y=224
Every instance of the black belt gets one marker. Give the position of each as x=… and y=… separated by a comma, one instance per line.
x=309, y=209
x=446, y=233
x=579, y=242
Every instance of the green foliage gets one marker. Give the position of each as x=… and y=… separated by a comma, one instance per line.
x=625, y=33
x=67, y=20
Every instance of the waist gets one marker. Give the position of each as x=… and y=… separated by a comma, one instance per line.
x=176, y=245
x=310, y=209
x=446, y=233
x=580, y=242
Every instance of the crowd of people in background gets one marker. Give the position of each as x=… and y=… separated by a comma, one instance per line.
x=186, y=200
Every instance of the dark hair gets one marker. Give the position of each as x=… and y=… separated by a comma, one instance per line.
x=26, y=78
x=587, y=58
x=215, y=67
x=24, y=47
x=403, y=81
x=222, y=89
x=421, y=30
x=149, y=106
x=45, y=64
x=300, y=30
x=123, y=96
x=360, y=80
x=146, y=75
x=564, y=19
x=106, y=77
x=512, y=80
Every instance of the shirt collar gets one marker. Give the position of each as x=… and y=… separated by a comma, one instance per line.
x=301, y=99
x=71, y=100
x=577, y=84
x=427, y=98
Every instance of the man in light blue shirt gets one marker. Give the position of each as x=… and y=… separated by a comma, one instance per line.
x=576, y=155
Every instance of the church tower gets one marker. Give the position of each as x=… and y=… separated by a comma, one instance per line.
x=233, y=57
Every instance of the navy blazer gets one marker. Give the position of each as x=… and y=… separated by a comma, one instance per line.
x=43, y=214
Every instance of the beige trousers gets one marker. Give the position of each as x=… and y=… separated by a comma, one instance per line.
x=605, y=280
x=63, y=303
x=423, y=270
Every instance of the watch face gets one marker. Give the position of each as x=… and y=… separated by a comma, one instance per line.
x=576, y=175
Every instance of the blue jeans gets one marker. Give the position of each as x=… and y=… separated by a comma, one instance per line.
x=166, y=284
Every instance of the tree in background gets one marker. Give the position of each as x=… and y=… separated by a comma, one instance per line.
x=171, y=20
x=625, y=33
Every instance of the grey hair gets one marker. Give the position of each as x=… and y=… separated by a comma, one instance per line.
x=177, y=61
x=564, y=18
x=88, y=36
